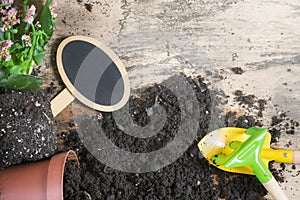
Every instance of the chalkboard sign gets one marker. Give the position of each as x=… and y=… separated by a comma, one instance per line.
x=92, y=73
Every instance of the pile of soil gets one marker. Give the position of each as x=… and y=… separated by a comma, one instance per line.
x=27, y=135
x=72, y=180
x=26, y=128
x=189, y=177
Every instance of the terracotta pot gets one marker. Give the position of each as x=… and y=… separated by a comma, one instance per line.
x=42, y=180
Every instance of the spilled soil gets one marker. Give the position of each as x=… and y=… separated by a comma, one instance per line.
x=72, y=180
x=189, y=177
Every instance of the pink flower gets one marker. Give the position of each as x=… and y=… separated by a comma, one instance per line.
x=29, y=15
x=7, y=57
x=37, y=25
x=3, y=11
x=5, y=45
x=7, y=1
x=12, y=16
x=5, y=26
x=54, y=15
x=53, y=8
x=31, y=10
x=26, y=38
x=8, y=44
x=12, y=12
x=28, y=19
x=15, y=21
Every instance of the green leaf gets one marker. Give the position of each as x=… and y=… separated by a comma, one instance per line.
x=21, y=30
x=2, y=74
x=4, y=4
x=14, y=31
x=21, y=82
x=16, y=69
x=24, y=67
x=38, y=56
x=1, y=33
x=46, y=19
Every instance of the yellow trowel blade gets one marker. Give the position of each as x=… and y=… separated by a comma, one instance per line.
x=217, y=142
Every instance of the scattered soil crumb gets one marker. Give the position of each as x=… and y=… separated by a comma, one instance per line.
x=237, y=70
x=238, y=93
x=88, y=6
x=277, y=119
x=277, y=173
x=291, y=132
x=248, y=100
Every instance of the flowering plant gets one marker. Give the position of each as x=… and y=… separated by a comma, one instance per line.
x=23, y=36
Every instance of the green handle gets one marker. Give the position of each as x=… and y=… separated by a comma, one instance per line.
x=261, y=171
x=248, y=154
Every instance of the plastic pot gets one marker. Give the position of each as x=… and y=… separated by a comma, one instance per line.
x=42, y=180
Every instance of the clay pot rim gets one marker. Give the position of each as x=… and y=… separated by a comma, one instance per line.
x=55, y=175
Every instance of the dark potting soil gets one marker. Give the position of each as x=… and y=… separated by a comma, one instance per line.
x=89, y=7
x=250, y=101
x=26, y=128
x=237, y=70
x=72, y=180
x=255, y=107
x=189, y=177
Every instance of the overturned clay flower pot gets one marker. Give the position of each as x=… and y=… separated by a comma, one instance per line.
x=42, y=180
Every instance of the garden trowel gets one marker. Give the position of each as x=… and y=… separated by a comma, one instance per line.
x=219, y=140
x=246, y=151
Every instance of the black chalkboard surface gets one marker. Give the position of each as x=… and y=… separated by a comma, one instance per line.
x=92, y=73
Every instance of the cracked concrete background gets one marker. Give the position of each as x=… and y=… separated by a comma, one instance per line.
x=163, y=36
x=159, y=38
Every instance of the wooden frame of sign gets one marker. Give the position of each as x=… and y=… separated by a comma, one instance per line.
x=70, y=93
